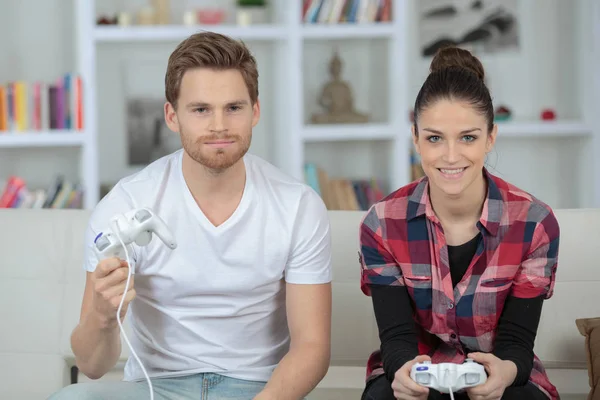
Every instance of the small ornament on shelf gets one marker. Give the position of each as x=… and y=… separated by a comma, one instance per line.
x=251, y=12
x=189, y=18
x=124, y=19
x=162, y=11
x=336, y=97
x=548, y=114
x=105, y=20
x=146, y=16
x=503, y=113
x=211, y=16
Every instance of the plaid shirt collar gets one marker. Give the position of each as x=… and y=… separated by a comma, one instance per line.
x=419, y=204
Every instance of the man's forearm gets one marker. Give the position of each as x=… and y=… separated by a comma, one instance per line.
x=298, y=373
x=96, y=345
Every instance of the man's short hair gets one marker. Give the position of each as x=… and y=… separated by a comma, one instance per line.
x=214, y=51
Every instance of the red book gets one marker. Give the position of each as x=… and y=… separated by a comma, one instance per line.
x=11, y=191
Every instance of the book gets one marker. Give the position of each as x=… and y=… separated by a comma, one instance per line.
x=42, y=106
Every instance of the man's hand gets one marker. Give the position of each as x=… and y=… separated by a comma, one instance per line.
x=109, y=280
x=501, y=374
x=404, y=387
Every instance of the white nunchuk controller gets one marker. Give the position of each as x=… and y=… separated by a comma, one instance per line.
x=134, y=226
x=448, y=377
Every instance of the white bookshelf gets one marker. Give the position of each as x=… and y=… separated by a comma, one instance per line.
x=358, y=132
x=545, y=129
x=41, y=139
x=109, y=33
x=348, y=31
x=384, y=72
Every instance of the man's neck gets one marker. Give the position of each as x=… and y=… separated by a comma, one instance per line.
x=460, y=209
x=210, y=185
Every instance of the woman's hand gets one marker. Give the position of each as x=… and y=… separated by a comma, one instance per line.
x=501, y=374
x=404, y=387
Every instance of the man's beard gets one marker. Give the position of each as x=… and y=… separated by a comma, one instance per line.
x=216, y=160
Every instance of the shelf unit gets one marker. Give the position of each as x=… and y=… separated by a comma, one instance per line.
x=293, y=46
x=57, y=138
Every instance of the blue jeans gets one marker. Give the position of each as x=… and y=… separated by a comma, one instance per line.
x=194, y=387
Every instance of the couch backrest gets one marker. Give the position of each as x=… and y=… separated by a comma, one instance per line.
x=558, y=343
x=42, y=281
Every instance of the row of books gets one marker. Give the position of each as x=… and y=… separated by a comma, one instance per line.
x=348, y=194
x=42, y=106
x=61, y=194
x=344, y=194
x=355, y=11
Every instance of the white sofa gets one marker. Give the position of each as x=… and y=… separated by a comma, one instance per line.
x=41, y=284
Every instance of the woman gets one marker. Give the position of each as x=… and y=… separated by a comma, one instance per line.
x=459, y=262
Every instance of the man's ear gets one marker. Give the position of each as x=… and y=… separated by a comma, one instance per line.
x=171, y=117
x=415, y=139
x=255, y=113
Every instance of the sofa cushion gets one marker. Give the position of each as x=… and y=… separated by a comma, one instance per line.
x=590, y=328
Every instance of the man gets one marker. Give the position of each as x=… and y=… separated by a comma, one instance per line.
x=241, y=309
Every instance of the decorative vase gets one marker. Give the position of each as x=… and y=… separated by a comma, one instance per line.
x=251, y=15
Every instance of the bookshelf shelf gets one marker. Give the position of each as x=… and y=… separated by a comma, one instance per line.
x=529, y=129
x=361, y=132
x=42, y=139
x=348, y=31
x=104, y=34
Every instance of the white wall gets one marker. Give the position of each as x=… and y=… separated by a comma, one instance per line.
x=525, y=80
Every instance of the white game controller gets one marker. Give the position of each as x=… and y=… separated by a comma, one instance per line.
x=135, y=226
x=448, y=377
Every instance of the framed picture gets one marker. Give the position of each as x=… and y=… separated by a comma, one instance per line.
x=484, y=26
x=149, y=138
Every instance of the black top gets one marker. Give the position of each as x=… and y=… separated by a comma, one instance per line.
x=515, y=336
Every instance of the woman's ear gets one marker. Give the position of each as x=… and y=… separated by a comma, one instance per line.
x=491, y=139
x=415, y=138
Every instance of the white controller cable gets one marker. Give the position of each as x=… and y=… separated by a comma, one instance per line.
x=449, y=386
x=119, y=317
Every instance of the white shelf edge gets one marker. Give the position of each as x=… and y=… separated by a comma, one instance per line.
x=348, y=132
x=58, y=138
x=567, y=128
x=112, y=33
x=346, y=31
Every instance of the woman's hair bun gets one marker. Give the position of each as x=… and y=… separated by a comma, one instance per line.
x=451, y=56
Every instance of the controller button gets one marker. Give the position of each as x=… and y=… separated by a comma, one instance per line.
x=423, y=379
x=102, y=243
x=471, y=379
x=422, y=368
x=142, y=215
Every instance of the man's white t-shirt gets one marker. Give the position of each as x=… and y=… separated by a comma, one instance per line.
x=217, y=302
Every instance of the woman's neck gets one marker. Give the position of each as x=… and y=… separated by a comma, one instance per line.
x=463, y=208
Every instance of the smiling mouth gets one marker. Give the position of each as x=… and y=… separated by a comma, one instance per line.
x=452, y=173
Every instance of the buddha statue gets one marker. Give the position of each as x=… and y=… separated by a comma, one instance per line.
x=336, y=98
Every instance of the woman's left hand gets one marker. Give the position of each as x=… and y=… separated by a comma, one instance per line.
x=501, y=374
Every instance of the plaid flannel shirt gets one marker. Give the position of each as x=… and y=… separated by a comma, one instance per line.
x=402, y=243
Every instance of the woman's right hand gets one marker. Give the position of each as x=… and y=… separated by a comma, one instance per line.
x=404, y=387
